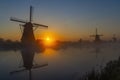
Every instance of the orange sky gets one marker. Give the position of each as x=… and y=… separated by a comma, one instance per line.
x=66, y=21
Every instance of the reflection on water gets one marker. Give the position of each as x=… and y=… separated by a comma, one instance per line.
x=28, y=54
x=63, y=64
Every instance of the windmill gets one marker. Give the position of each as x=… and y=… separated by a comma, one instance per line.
x=28, y=57
x=114, y=38
x=97, y=36
x=28, y=31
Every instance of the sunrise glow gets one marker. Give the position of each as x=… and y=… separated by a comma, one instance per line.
x=49, y=41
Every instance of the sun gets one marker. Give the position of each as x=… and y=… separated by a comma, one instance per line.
x=48, y=41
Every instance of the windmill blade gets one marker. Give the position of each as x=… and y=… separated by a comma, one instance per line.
x=21, y=30
x=17, y=71
x=31, y=13
x=92, y=35
x=20, y=66
x=17, y=20
x=35, y=24
x=101, y=35
x=39, y=66
x=35, y=28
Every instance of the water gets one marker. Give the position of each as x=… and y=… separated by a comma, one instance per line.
x=63, y=64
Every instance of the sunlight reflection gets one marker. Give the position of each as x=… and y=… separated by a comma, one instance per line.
x=49, y=52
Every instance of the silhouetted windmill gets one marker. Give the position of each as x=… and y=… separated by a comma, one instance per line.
x=97, y=36
x=28, y=32
x=114, y=38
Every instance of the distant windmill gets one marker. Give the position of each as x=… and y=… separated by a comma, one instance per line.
x=114, y=38
x=97, y=36
x=28, y=32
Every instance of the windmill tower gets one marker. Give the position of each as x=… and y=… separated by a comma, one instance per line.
x=97, y=36
x=28, y=31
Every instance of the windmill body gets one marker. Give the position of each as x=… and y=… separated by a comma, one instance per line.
x=28, y=34
x=97, y=36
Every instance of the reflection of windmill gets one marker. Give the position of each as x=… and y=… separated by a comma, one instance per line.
x=97, y=51
x=28, y=54
x=97, y=36
x=28, y=34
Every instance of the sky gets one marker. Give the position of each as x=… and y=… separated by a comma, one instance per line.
x=67, y=19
